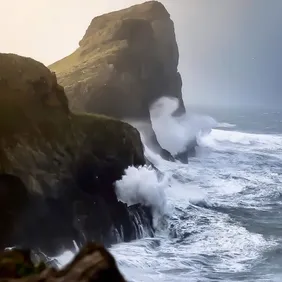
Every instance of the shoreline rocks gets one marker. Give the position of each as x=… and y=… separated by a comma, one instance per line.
x=93, y=263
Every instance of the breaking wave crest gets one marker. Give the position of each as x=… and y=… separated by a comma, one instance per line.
x=175, y=133
x=143, y=185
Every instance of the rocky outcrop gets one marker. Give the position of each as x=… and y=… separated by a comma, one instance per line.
x=93, y=263
x=126, y=60
x=57, y=169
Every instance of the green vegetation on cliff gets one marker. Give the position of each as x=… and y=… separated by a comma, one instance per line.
x=51, y=157
x=126, y=60
x=34, y=111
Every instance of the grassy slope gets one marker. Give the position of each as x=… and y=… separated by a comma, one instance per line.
x=25, y=120
x=99, y=46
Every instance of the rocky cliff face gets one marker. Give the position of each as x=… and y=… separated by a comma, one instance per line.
x=126, y=60
x=57, y=169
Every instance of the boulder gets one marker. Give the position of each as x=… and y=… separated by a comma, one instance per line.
x=93, y=263
x=58, y=169
x=125, y=61
x=17, y=263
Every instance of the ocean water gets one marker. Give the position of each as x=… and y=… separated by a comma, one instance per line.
x=219, y=218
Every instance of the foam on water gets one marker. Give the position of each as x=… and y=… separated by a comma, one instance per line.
x=206, y=237
x=220, y=139
x=225, y=125
x=200, y=240
x=65, y=258
x=232, y=169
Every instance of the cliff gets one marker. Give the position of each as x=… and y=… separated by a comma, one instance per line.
x=57, y=169
x=126, y=60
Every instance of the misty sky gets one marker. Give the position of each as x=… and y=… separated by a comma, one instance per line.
x=230, y=50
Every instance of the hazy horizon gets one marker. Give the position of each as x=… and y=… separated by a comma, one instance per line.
x=229, y=50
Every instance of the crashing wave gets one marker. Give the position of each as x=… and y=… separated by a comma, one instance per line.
x=178, y=134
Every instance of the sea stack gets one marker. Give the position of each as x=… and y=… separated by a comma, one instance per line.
x=125, y=61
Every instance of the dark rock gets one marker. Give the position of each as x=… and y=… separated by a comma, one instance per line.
x=14, y=199
x=189, y=152
x=17, y=263
x=93, y=263
x=58, y=168
x=126, y=61
x=165, y=154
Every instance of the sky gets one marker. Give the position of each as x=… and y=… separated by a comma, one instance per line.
x=230, y=50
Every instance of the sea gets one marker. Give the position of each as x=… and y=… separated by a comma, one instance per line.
x=217, y=218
